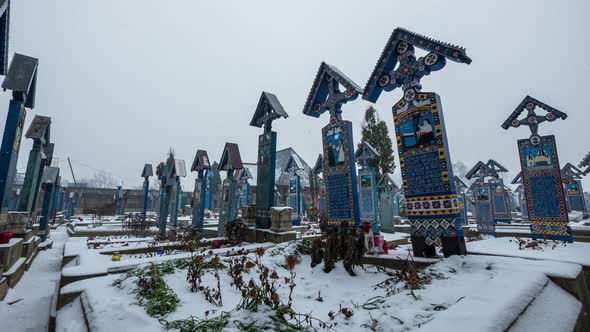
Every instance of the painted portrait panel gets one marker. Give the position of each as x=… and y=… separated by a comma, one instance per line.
x=335, y=138
x=539, y=157
x=417, y=131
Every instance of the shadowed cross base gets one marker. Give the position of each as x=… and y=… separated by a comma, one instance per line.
x=452, y=245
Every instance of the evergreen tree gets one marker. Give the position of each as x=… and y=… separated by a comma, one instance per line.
x=375, y=132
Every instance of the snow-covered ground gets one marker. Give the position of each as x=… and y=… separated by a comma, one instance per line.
x=31, y=298
x=487, y=292
x=577, y=252
x=473, y=293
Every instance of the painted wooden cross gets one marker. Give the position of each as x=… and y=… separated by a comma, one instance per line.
x=330, y=90
x=541, y=174
x=201, y=165
x=366, y=154
x=484, y=208
x=294, y=195
x=585, y=163
x=49, y=183
x=22, y=80
x=179, y=171
x=498, y=193
x=521, y=197
x=39, y=132
x=268, y=109
x=169, y=174
x=230, y=162
x=388, y=203
x=427, y=174
x=574, y=193
x=320, y=190
x=461, y=188
x=145, y=174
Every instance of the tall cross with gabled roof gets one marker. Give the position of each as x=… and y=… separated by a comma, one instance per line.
x=230, y=162
x=21, y=78
x=201, y=165
x=330, y=90
x=427, y=174
x=541, y=174
x=268, y=109
x=484, y=211
x=574, y=193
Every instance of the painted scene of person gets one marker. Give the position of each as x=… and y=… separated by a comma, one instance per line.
x=335, y=138
x=539, y=156
x=365, y=181
x=418, y=131
x=483, y=194
x=573, y=188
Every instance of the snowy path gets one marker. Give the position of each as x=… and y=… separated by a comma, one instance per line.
x=34, y=290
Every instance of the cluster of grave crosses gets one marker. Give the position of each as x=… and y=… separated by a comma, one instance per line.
x=435, y=200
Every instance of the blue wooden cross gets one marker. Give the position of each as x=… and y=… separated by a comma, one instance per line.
x=368, y=201
x=268, y=109
x=22, y=80
x=499, y=194
x=463, y=202
x=169, y=174
x=230, y=162
x=201, y=165
x=541, y=174
x=330, y=90
x=294, y=195
x=179, y=171
x=427, y=174
x=398, y=66
x=484, y=211
x=49, y=183
x=532, y=120
x=388, y=203
x=571, y=177
x=145, y=174
x=585, y=163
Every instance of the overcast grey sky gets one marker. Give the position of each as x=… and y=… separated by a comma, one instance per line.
x=126, y=80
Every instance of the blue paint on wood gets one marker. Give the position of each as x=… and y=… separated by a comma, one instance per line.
x=9, y=150
x=543, y=188
x=427, y=174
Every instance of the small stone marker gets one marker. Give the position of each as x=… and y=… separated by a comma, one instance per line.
x=281, y=219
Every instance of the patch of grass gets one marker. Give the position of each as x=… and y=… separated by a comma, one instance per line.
x=153, y=293
x=282, y=319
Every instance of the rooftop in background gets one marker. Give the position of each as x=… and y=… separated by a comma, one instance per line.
x=281, y=177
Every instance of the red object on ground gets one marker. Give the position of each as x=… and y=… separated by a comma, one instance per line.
x=5, y=237
x=216, y=244
x=80, y=219
x=385, y=247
